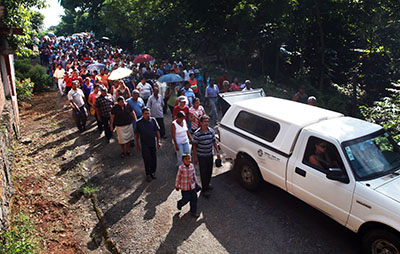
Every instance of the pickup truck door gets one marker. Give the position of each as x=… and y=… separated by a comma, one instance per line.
x=309, y=182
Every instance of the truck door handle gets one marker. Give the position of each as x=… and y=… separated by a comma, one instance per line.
x=300, y=172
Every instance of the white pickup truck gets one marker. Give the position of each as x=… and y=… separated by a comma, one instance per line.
x=345, y=167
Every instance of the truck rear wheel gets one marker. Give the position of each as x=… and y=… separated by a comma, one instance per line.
x=249, y=174
x=379, y=241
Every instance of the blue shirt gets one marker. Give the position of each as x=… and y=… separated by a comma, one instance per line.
x=147, y=131
x=136, y=106
x=189, y=94
x=212, y=92
x=200, y=82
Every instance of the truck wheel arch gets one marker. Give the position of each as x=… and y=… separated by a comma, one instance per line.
x=250, y=178
x=371, y=230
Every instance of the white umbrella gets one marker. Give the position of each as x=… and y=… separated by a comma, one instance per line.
x=120, y=73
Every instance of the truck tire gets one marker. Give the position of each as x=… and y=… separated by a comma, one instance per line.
x=378, y=241
x=248, y=173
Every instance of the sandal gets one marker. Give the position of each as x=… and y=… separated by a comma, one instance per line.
x=128, y=153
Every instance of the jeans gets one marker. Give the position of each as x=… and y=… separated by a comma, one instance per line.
x=189, y=196
x=206, y=167
x=183, y=148
x=213, y=104
x=149, y=154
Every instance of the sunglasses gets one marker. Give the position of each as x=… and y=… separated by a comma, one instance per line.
x=322, y=146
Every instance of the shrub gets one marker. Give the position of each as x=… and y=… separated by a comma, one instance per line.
x=36, y=73
x=41, y=79
x=20, y=238
x=386, y=112
x=24, y=89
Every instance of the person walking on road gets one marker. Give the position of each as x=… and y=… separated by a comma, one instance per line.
x=104, y=104
x=212, y=96
x=156, y=105
x=148, y=131
x=203, y=142
x=195, y=113
x=77, y=100
x=186, y=181
x=122, y=115
x=180, y=136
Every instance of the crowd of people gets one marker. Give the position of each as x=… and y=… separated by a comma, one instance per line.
x=134, y=106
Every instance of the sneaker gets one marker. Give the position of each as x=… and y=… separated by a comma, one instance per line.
x=178, y=206
x=148, y=178
x=194, y=214
x=153, y=176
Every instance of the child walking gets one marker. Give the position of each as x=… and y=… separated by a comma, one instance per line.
x=186, y=181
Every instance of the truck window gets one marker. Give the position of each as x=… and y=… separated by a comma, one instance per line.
x=258, y=126
x=322, y=155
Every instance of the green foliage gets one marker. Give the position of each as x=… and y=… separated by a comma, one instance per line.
x=346, y=43
x=88, y=190
x=36, y=73
x=22, y=14
x=386, y=112
x=20, y=239
x=39, y=76
x=24, y=90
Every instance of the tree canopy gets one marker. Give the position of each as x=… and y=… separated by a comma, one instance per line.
x=23, y=14
x=349, y=43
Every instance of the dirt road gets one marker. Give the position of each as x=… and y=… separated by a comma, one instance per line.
x=143, y=218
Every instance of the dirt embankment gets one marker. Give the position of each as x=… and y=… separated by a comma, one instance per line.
x=47, y=172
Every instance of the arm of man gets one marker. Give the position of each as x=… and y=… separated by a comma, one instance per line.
x=137, y=141
x=216, y=149
x=112, y=122
x=194, y=154
x=158, y=139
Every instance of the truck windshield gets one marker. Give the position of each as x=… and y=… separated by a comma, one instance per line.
x=373, y=156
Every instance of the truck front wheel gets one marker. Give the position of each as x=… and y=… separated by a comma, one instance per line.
x=249, y=174
x=378, y=241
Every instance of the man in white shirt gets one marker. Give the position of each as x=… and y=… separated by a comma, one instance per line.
x=76, y=99
x=156, y=104
x=59, y=77
x=247, y=87
x=145, y=90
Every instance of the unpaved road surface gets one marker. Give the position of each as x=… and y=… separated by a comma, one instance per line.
x=143, y=218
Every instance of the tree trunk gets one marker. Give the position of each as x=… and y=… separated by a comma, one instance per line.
x=322, y=48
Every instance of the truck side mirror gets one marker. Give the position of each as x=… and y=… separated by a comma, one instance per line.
x=337, y=174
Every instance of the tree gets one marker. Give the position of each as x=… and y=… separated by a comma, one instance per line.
x=20, y=14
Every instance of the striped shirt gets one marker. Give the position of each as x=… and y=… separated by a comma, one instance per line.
x=204, y=142
x=197, y=113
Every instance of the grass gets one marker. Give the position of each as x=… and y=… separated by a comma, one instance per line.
x=88, y=190
x=21, y=236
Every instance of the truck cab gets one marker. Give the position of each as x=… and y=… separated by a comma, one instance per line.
x=345, y=167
